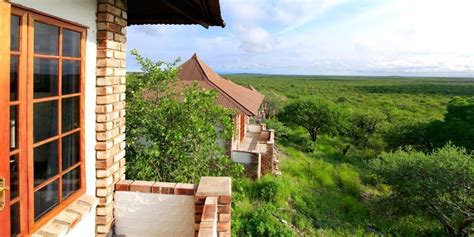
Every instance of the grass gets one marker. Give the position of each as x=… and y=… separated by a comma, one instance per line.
x=322, y=192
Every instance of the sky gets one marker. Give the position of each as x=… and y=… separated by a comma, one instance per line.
x=323, y=37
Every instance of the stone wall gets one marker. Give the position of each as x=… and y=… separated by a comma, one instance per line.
x=110, y=110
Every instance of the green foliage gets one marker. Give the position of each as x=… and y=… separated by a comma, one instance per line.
x=457, y=128
x=272, y=104
x=316, y=116
x=415, y=135
x=458, y=124
x=328, y=190
x=439, y=184
x=361, y=125
x=259, y=221
x=172, y=133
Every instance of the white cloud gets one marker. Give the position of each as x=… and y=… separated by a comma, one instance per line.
x=254, y=39
x=404, y=37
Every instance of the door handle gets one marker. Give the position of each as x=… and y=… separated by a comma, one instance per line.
x=3, y=189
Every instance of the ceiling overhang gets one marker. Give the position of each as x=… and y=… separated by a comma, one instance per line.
x=180, y=12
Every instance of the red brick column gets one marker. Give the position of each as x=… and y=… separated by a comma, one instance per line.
x=110, y=110
x=212, y=192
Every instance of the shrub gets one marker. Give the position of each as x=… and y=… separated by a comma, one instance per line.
x=172, y=133
x=438, y=185
x=260, y=221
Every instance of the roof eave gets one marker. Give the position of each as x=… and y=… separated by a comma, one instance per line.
x=201, y=12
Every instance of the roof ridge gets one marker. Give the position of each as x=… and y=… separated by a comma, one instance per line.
x=220, y=89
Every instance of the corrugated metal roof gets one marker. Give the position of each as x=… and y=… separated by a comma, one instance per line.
x=183, y=12
x=231, y=95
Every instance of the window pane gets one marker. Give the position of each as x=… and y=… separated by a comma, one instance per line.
x=71, y=43
x=46, y=161
x=46, y=199
x=70, y=150
x=45, y=120
x=15, y=219
x=13, y=78
x=70, y=113
x=71, y=79
x=46, y=39
x=13, y=127
x=45, y=78
x=71, y=182
x=15, y=33
x=14, y=176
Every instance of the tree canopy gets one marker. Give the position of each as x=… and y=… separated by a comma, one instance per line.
x=315, y=116
x=173, y=130
x=440, y=184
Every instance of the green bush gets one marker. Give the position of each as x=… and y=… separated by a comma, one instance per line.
x=437, y=185
x=260, y=221
x=172, y=133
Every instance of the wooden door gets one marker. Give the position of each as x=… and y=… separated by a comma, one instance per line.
x=4, y=118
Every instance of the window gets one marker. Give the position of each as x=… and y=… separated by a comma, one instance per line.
x=46, y=118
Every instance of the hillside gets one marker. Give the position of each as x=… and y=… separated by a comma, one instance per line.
x=326, y=190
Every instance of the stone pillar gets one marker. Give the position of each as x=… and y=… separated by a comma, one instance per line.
x=110, y=110
x=217, y=192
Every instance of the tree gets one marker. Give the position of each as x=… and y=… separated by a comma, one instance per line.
x=457, y=128
x=361, y=125
x=271, y=105
x=173, y=130
x=411, y=134
x=315, y=116
x=439, y=184
x=458, y=124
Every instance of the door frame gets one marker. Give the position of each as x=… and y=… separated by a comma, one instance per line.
x=5, y=14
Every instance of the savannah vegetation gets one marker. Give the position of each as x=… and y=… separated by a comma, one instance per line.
x=363, y=156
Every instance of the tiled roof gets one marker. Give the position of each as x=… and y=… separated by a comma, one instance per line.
x=231, y=95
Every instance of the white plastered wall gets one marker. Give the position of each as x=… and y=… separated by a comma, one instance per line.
x=84, y=13
x=153, y=215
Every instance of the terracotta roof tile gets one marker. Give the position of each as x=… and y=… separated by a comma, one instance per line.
x=231, y=95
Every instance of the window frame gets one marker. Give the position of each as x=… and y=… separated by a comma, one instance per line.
x=26, y=116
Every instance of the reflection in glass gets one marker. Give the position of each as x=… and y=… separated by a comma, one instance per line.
x=70, y=151
x=45, y=120
x=70, y=113
x=46, y=199
x=46, y=39
x=15, y=33
x=71, y=78
x=71, y=182
x=15, y=219
x=71, y=43
x=14, y=176
x=13, y=127
x=45, y=78
x=45, y=161
x=13, y=78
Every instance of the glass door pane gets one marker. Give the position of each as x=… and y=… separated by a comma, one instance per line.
x=14, y=125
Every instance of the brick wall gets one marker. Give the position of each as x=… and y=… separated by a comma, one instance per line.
x=110, y=110
x=212, y=201
x=212, y=193
x=269, y=157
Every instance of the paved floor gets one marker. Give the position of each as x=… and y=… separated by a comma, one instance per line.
x=250, y=141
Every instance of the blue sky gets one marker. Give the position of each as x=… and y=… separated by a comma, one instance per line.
x=324, y=37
